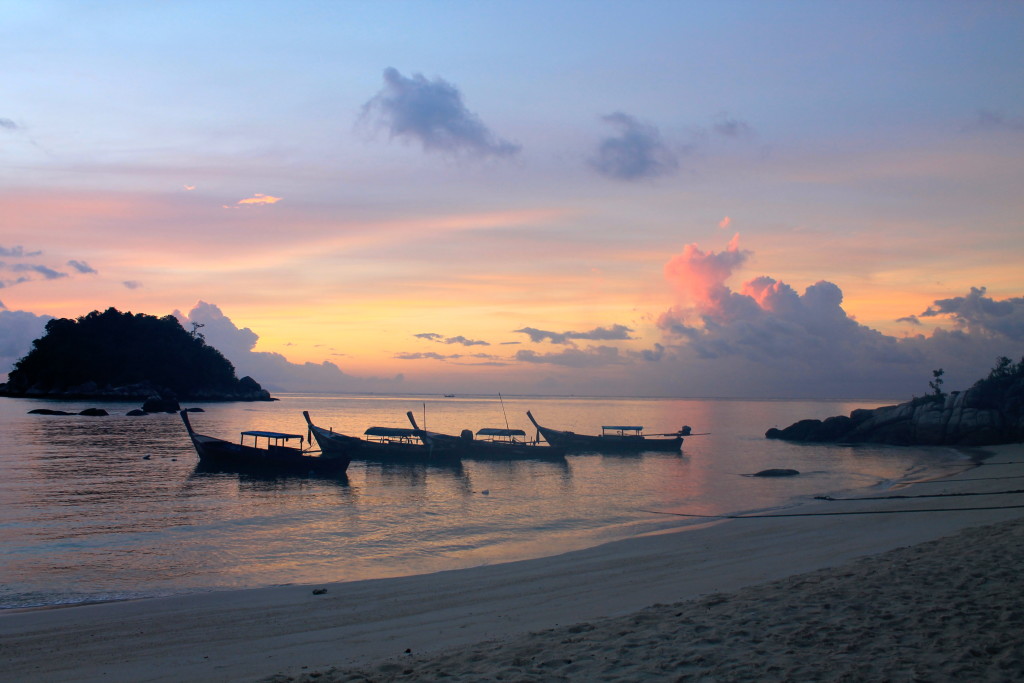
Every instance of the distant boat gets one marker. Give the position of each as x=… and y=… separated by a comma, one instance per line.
x=613, y=439
x=275, y=454
x=381, y=444
x=492, y=444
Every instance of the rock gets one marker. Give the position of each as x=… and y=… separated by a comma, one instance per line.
x=47, y=411
x=777, y=473
x=94, y=412
x=159, y=404
x=136, y=412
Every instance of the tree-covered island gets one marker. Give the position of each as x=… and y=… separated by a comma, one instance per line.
x=124, y=356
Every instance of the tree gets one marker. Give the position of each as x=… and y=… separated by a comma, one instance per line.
x=936, y=383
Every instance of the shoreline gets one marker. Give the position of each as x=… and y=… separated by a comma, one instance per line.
x=288, y=630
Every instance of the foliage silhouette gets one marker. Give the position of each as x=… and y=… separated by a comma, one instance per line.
x=101, y=352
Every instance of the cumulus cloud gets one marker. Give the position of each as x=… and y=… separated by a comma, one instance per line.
x=272, y=370
x=18, y=329
x=81, y=266
x=788, y=343
x=433, y=114
x=636, y=152
x=459, y=339
x=978, y=314
x=614, y=333
x=594, y=356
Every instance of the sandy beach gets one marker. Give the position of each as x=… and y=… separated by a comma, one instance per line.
x=919, y=583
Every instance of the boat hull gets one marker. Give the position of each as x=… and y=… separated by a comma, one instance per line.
x=343, y=445
x=214, y=451
x=585, y=443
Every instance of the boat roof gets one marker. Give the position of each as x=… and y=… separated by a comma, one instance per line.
x=391, y=431
x=494, y=431
x=272, y=435
x=624, y=428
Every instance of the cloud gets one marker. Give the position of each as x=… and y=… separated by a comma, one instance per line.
x=637, y=152
x=594, y=356
x=432, y=113
x=47, y=272
x=259, y=200
x=132, y=284
x=767, y=338
x=81, y=266
x=614, y=333
x=18, y=252
x=7, y=124
x=427, y=355
x=725, y=223
x=730, y=127
x=18, y=329
x=441, y=339
x=272, y=370
x=978, y=314
x=988, y=121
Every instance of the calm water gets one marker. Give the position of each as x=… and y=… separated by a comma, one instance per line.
x=85, y=515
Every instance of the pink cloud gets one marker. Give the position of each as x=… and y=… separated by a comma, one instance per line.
x=725, y=223
x=698, y=277
x=259, y=200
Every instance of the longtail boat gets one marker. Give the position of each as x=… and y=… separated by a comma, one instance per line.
x=613, y=439
x=380, y=443
x=274, y=454
x=492, y=443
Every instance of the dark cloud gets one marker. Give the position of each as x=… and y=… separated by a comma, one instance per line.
x=614, y=333
x=637, y=152
x=81, y=266
x=988, y=121
x=978, y=314
x=441, y=339
x=909, y=319
x=732, y=128
x=132, y=284
x=18, y=329
x=18, y=252
x=594, y=356
x=8, y=124
x=45, y=271
x=432, y=113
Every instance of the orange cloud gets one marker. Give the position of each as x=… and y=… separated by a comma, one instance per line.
x=260, y=199
x=699, y=277
x=725, y=223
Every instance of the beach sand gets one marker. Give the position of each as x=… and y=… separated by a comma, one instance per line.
x=913, y=588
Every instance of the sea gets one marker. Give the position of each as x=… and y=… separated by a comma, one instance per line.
x=96, y=509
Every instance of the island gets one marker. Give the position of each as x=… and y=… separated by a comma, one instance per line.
x=990, y=412
x=117, y=356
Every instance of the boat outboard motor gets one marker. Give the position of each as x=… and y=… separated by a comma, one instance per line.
x=466, y=435
x=685, y=431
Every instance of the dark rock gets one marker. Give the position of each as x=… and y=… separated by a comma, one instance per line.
x=159, y=404
x=47, y=411
x=194, y=410
x=136, y=412
x=777, y=473
x=94, y=412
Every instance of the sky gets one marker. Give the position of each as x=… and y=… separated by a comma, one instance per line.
x=692, y=199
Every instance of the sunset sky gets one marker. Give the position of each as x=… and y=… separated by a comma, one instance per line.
x=749, y=199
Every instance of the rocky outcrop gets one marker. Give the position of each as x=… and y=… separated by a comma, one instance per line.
x=980, y=416
x=247, y=389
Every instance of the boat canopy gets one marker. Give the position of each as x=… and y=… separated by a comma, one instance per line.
x=272, y=435
x=494, y=431
x=622, y=429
